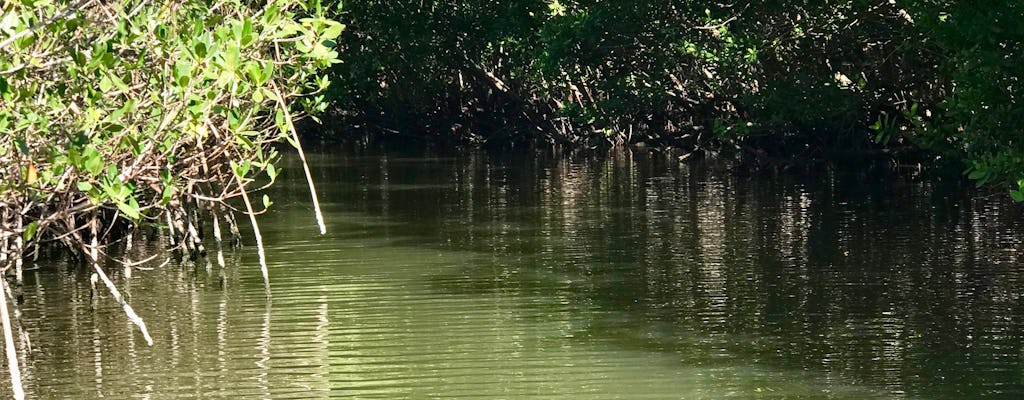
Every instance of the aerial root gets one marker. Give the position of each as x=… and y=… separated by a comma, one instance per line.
x=94, y=255
x=12, y=354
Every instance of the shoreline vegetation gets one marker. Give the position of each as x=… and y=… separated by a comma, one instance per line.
x=135, y=114
x=128, y=116
x=934, y=84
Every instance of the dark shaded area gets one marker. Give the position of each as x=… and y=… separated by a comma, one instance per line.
x=779, y=82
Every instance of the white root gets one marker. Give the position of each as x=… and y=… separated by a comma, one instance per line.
x=219, y=239
x=305, y=165
x=132, y=316
x=12, y=354
x=127, y=254
x=19, y=250
x=170, y=227
x=256, y=232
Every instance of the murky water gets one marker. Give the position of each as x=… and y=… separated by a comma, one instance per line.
x=628, y=276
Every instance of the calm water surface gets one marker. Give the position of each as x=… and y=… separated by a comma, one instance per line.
x=623, y=276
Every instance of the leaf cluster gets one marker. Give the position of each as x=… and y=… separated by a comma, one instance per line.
x=130, y=108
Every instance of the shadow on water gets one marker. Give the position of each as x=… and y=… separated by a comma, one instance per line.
x=628, y=275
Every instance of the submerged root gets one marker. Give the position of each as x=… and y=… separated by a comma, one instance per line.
x=132, y=316
x=259, y=237
x=12, y=354
x=217, y=237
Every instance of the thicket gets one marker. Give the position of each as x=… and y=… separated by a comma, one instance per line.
x=768, y=82
x=134, y=114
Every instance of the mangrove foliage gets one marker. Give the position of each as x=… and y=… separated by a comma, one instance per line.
x=137, y=114
x=769, y=82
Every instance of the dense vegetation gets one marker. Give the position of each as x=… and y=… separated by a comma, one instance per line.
x=119, y=115
x=132, y=111
x=770, y=82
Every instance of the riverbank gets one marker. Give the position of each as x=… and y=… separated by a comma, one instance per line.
x=776, y=83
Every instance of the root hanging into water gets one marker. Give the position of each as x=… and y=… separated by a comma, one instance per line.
x=170, y=227
x=168, y=148
x=236, y=234
x=217, y=237
x=12, y=354
x=94, y=255
x=259, y=237
x=127, y=254
x=19, y=248
x=302, y=156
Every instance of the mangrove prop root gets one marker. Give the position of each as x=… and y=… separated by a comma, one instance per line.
x=127, y=254
x=12, y=354
x=177, y=165
x=94, y=254
x=19, y=249
x=256, y=233
x=170, y=228
x=26, y=344
x=305, y=165
x=3, y=236
x=197, y=242
x=217, y=237
x=236, y=234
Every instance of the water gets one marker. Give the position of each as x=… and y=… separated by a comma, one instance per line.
x=625, y=276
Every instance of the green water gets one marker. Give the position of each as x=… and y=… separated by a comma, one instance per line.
x=621, y=276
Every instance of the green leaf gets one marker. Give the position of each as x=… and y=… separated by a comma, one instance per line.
x=333, y=30
x=115, y=116
x=167, y=194
x=84, y=186
x=129, y=208
x=22, y=146
x=241, y=169
x=1017, y=195
x=244, y=142
x=182, y=72
x=123, y=87
x=105, y=84
x=266, y=201
x=976, y=174
x=253, y=69
x=10, y=22
x=246, y=37
x=30, y=231
x=272, y=172
x=93, y=161
x=232, y=56
x=199, y=48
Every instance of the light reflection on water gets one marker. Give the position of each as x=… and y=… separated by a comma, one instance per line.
x=626, y=276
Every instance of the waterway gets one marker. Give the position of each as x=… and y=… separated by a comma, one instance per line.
x=629, y=275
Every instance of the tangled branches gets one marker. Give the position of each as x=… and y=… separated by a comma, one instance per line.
x=127, y=114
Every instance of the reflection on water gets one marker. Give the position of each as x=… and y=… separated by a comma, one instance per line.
x=625, y=276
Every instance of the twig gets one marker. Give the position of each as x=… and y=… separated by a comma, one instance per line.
x=716, y=26
x=64, y=13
